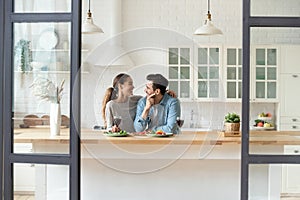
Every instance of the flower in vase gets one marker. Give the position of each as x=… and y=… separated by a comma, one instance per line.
x=47, y=90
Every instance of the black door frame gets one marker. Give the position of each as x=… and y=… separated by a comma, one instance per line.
x=247, y=158
x=8, y=17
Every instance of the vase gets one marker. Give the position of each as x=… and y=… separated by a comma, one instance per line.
x=232, y=127
x=55, y=119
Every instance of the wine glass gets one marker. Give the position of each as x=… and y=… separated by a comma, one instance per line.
x=117, y=120
x=180, y=123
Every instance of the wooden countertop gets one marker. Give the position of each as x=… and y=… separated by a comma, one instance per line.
x=40, y=135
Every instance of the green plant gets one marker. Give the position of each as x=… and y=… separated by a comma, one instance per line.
x=232, y=118
x=23, y=55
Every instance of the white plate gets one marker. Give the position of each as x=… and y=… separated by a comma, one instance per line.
x=48, y=39
x=263, y=128
x=265, y=118
x=117, y=134
x=159, y=135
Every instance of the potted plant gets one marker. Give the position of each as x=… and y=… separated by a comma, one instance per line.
x=23, y=56
x=232, y=122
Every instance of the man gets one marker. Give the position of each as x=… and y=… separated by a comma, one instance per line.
x=158, y=110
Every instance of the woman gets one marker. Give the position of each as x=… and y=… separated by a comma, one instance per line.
x=120, y=102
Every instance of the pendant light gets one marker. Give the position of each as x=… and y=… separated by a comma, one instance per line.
x=208, y=28
x=88, y=26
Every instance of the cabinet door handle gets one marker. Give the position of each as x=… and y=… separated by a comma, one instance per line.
x=294, y=120
x=296, y=151
x=294, y=127
x=295, y=75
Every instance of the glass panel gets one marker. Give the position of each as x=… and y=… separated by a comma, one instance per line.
x=202, y=56
x=37, y=181
x=271, y=73
x=260, y=57
x=173, y=55
x=271, y=92
x=231, y=90
x=41, y=83
x=214, y=56
x=184, y=72
x=271, y=181
x=240, y=90
x=37, y=6
x=240, y=58
x=275, y=8
x=184, y=56
x=260, y=90
x=231, y=73
x=173, y=72
x=202, y=89
x=213, y=89
x=214, y=72
x=202, y=73
x=184, y=89
x=231, y=56
x=240, y=73
x=260, y=73
x=272, y=56
x=173, y=85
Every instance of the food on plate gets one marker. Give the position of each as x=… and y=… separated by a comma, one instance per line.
x=262, y=123
x=265, y=114
x=160, y=132
x=267, y=125
x=122, y=132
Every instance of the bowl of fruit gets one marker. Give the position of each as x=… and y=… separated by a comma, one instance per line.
x=265, y=116
x=263, y=125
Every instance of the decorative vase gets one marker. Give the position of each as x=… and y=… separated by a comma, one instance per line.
x=55, y=119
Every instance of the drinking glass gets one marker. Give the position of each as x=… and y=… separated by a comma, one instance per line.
x=180, y=123
x=117, y=120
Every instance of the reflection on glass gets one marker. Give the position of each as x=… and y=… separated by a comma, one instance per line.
x=231, y=73
x=37, y=181
x=275, y=8
x=231, y=56
x=260, y=57
x=41, y=78
x=213, y=89
x=202, y=73
x=173, y=72
x=260, y=90
x=240, y=58
x=173, y=85
x=214, y=56
x=173, y=55
x=214, y=72
x=202, y=89
x=202, y=55
x=260, y=73
x=231, y=90
x=185, y=72
x=271, y=73
x=184, y=89
x=240, y=90
x=37, y=6
x=184, y=56
x=271, y=92
x=240, y=72
x=272, y=57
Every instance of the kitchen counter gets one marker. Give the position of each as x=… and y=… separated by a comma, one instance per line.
x=195, y=163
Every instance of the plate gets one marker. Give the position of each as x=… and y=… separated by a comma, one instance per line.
x=115, y=134
x=48, y=39
x=263, y=128
x=265, y=118
x=159, y=135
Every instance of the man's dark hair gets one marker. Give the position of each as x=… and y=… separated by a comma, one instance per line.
x=159, y=82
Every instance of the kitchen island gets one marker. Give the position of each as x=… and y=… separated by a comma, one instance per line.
x=192, y=165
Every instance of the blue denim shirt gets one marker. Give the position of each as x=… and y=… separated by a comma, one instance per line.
x=161, y=116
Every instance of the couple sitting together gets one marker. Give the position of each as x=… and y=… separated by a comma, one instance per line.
x=158, y=110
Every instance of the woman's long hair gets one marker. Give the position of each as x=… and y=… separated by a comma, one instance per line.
x=111, y=93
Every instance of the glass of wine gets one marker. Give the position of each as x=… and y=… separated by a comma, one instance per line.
x=117, y=120
x=179, y=122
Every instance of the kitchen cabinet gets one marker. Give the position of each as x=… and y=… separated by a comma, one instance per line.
x=265, y=74
x=179, y=61
x=290, y=59
x=290, y=178
x=233, y=74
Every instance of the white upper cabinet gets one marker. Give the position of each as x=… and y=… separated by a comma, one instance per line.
x=265, y=67
x=290, y=59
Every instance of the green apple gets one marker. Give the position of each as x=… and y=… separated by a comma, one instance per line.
x=267, y=125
